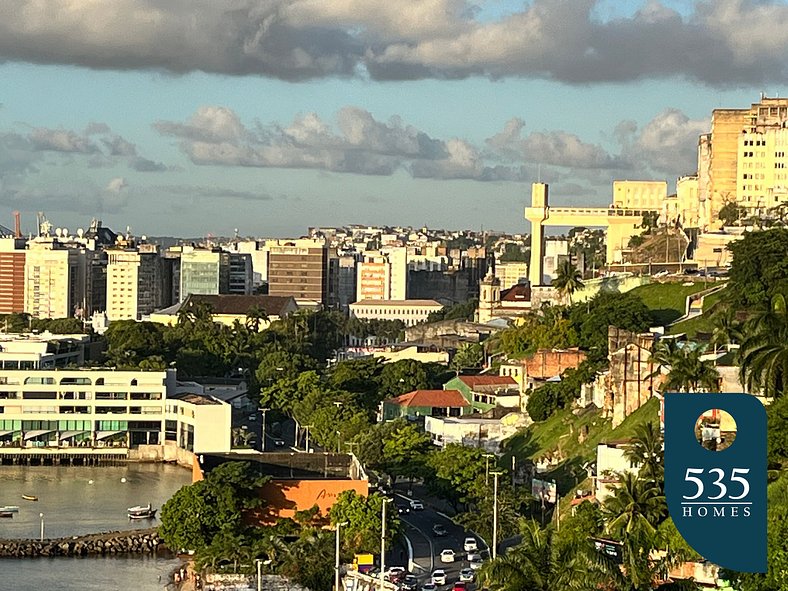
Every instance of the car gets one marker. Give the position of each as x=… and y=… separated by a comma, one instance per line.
x=416, y=505
x=439, y=531
x=430, y=586
x=439, y=577
x=279, y=442
x=409, y=583
x=396, y=573
x=475, y=561
x=469, y=545
x=447, y=555
x=467, y=575
x=252, y=418
x=460, y=586
x=403, y=509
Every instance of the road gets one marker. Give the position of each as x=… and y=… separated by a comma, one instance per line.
x=427, y=547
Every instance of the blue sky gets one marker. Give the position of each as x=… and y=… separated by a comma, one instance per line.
x=269, y=116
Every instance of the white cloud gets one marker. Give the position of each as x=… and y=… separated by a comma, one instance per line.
x=116, y=185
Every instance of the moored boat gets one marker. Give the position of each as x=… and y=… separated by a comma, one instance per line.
x=9, y=509
x=141, y=512
x=6, y=514
x=30, y=497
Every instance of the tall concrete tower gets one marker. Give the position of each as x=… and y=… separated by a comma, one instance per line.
x=537, y=214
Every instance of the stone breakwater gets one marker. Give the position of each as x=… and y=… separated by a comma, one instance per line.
x=145, y=541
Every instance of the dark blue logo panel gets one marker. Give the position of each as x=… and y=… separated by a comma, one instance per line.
x=717, y=499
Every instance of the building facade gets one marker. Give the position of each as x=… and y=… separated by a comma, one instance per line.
x=12, y=275
x=408, y=311
x=55, y=279
x=133, y=282
x=204, y=271
x=299, y=268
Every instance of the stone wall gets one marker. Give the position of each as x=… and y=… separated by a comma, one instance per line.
x=145, y=541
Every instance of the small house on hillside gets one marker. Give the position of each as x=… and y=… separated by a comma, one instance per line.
x=426, y=403
x=487, y=391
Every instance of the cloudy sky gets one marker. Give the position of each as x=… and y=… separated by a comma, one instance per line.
x=191, y=117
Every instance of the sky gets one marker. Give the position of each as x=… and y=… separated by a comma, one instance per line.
x=198, y=117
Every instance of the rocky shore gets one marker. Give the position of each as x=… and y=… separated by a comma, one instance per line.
x=144, y=541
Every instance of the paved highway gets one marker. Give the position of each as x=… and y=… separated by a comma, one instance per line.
x=427, y=547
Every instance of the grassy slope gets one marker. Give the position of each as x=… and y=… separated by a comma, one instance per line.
x=700, y=323
x=667, y=301
x=561, y=432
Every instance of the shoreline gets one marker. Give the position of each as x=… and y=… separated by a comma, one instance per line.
x=114, y=543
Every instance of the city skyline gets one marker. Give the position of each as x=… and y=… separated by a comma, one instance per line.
x=194, y=119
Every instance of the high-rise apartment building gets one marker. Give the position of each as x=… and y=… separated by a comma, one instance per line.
x=12, y=275
x=241, y=274
x=133, y=281
x=55, y=279
x=383, y=275
x=299, y=268
x=204, y=271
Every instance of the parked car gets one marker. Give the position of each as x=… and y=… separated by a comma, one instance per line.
x=409, y=583
x=469, y=545
x=416, y=505
x=439, y=530
x=460, y=586
x=439, y=577
x=467, y=575
x=447, y=555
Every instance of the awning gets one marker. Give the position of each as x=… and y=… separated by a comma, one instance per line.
x=105, y=434
x=4, y=433
x=67, y=434
x=31, y=434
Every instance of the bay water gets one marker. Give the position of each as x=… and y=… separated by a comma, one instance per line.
x=77, y=500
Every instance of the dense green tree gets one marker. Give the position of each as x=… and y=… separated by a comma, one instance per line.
x=726, y=329
x=777, y=433
x=468, y=356
x=364, y=517
x=405, y=450
x=58, y=325
x=636, y=508
x=309, y=560
x=195, y=514
x=514, y=253
x=461, y=311
x=568, y=279
x=688, y=372
x=759, y=268
x=730, y=213
x=459, y=473
x=548, y=328
x=408, y=375
x=129, y=342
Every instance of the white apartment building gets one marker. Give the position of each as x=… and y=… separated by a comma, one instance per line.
x=133, y=282
x=511, y=273
x=383, y=275
x=42, y=350
x=55, y=279
x=98, y=408
x=408, y=311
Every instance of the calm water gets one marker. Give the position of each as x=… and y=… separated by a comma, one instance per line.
x=80, y=500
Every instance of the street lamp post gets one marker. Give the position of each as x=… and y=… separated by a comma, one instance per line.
x=307, y=427
x=259, y=578
x=339, y=442
x=262, y=442
x=487, y=468
x=337, y=586
x=495, y=514
x=41, y=515
x=383, y=544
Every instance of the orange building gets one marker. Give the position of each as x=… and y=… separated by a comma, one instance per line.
x=12, y=275
x=299, y=481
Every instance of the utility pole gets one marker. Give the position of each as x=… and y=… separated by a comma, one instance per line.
x=259, y=582
x=337, y=583
x=487, y=468
x=383, y=545
x=262, y=442
x=495, y=474
x=307, y=427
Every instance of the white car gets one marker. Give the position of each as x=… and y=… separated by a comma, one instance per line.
x=416, y=505
x=475, y=561
x=467, y=575
x=439, y=577
x=429, y=587
x=470, y=545
x=447, y=555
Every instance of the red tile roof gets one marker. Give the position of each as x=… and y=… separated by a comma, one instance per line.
x=430, y=398
x=473, y=381
x=516, y=293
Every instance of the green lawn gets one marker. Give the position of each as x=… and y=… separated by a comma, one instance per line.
x=702, y=323
x=560, y=434
x=667, y=301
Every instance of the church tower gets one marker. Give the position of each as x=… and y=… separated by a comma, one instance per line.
x=489, y=297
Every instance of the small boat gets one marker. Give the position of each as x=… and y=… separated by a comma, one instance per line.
x=141, y=512
x=6, y=514
x=30, y=497
x=9, y=509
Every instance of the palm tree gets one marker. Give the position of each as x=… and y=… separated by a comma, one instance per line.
x=688, y=372
x=646, y=451
x=764, y=352
x=568, y=279
x=255, y=316
x=727, y=330
x=538, y=563
x=636, y=507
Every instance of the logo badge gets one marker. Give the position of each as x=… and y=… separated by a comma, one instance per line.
x=717, y=499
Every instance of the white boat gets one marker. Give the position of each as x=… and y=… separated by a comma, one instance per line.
x=9, y=509
x=141, y=512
